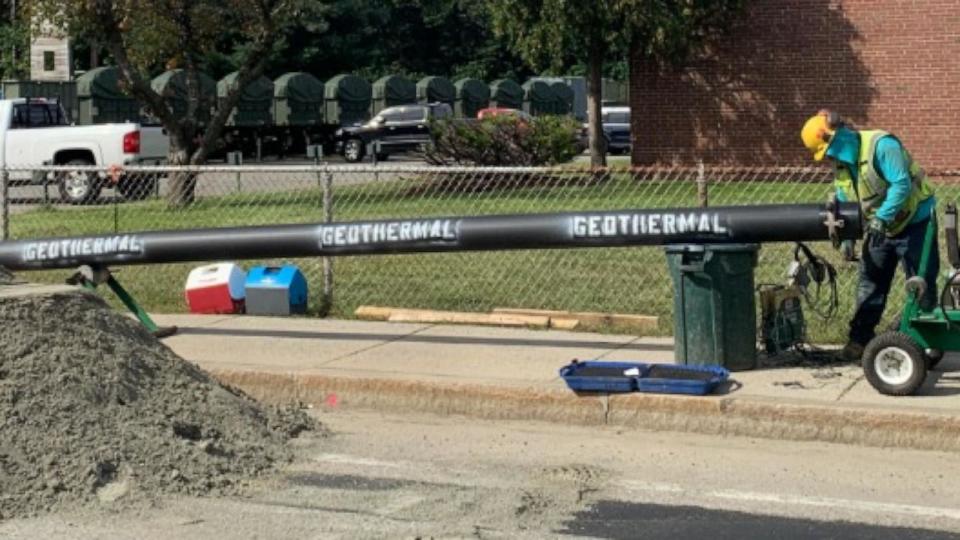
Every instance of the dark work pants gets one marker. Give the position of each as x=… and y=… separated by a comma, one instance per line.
x=877, y=267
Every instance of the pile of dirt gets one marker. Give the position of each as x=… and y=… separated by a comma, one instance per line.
x=94, y=410
x=6, y=277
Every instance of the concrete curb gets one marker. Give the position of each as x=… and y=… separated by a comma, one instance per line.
x=749, y=416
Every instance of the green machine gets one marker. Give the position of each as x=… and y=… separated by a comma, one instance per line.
x=896, y=362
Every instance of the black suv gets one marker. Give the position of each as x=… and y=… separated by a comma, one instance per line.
x=395, y=129
x=616, y=129
x=615, y=122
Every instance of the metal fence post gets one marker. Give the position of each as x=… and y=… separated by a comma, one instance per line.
x=236, y=159
x=375, y=156
x=4, y=205
x=702, y=194
x=46, y=184
x=327, y=301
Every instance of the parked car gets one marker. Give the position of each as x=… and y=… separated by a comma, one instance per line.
x=402, y=128
x=154, y=145
x=36, y=131
x=616, y=130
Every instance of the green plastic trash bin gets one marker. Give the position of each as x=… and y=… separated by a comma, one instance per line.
x=715, y=320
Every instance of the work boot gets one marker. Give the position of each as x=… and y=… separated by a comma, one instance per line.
x=852, y=351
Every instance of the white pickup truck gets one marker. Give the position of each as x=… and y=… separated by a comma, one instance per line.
x=36, y=132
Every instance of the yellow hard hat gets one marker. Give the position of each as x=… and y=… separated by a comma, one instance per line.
x=817, y=132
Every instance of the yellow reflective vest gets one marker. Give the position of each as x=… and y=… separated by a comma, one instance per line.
x=871, y=188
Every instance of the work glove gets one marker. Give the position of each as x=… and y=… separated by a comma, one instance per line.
x=876, y=232
x=849, y=250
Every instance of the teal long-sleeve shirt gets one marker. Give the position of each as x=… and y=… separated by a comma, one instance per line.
x=890, y=163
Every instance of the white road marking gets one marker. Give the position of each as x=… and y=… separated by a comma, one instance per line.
x=659, y=487
x=345, y=459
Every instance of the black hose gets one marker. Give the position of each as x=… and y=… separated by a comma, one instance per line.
x=943, y=294
x=820, y=271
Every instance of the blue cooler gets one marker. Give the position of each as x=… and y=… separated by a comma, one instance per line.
x=276, y=290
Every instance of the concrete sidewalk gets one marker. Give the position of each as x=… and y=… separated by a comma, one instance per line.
x=510, y=373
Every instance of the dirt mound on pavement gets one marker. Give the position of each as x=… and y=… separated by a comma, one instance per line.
x=6, y=277
x=93, y=410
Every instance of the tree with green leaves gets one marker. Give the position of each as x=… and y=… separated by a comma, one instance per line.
x=554, y=34
x=14, y=51
x=14, y=42
x=145, y=36
x=414, y=38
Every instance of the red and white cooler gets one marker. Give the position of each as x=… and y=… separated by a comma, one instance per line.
x=216, y=288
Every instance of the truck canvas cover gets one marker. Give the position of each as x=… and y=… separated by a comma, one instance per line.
x=253, y=108
x=172, y=86
x=563, y=96
x=436, y=89
x=347, y=98
x=393, y=90
x=298, y=100
x=472, y=95
x=538, y=98
x=505, y=93
x=101, y=100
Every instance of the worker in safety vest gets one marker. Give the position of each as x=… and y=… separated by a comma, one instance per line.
x=897, y=201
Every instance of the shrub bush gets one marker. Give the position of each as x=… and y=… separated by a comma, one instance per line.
x=504, y=140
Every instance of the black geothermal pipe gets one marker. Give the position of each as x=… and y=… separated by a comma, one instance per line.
x=732, y=224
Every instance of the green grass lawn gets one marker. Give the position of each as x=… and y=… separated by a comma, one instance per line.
x=625, y=280
x=396, y=199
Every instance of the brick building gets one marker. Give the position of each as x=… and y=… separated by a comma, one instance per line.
x=886, y=64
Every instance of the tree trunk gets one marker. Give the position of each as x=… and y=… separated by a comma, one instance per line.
x=182, y=184
x=598, y=151
x=94, y=55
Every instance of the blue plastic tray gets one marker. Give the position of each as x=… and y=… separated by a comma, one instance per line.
x=593, y=376
x=680, y=379
x=599, y=376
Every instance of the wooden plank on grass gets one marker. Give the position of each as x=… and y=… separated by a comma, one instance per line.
x=590, y=318
x=459, y=317
x=373, y=313
x=564, y=323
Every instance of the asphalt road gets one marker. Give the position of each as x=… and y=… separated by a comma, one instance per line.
x=29, y=197
x=428, y=476
x=625, y=520
x=25, y=198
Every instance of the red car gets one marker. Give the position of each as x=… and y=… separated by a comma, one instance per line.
x=491, y=112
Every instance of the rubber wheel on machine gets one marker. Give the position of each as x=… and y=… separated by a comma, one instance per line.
x=138, y=188
x=78, y=187
x=894, y=365
x=353, y=150
x=934, y=356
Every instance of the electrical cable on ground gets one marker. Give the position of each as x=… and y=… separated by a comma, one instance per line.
x=815, y=280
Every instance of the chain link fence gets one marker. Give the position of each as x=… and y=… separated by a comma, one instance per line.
x=59, y=201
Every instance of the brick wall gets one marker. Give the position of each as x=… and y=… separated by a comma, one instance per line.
x=885, y=64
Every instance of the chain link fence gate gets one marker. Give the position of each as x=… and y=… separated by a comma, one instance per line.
x=619, y=280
